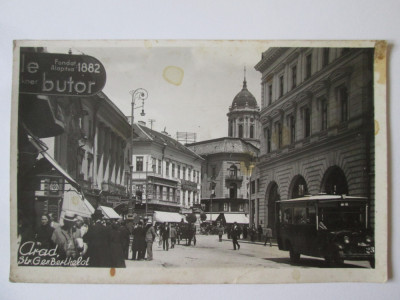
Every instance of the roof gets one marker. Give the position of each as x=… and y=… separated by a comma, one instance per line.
x=223, y=145
x=162, y=217
x=324, y=197
x=244, y=98
x=143, y=133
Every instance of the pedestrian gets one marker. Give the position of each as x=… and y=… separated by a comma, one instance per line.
x=135, y=247
x=173, y=235
x=259, y=231
x=150, y=237
x=220, y=232
x=65, y=237
x=117, y=256
x=98, y=239
x=235, y=232
x=165, y=236
x=253, y=233
x=125, y=236
x=268, y=237
x=178, y=233
x=44, y=234
x=245, y=232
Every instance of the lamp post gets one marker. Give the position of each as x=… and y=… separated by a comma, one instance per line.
x=138, y=94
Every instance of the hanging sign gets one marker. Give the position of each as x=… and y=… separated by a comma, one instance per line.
x=60, y=74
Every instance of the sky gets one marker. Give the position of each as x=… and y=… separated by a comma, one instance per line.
x=213, y=74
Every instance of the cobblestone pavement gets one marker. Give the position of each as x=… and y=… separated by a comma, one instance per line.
x=209, y=252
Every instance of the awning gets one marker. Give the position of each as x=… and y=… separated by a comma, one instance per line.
x=109, y=212
x=73, y=202
x=53, y=162
x=163, y=216
x=212, y=217
x=239, y=218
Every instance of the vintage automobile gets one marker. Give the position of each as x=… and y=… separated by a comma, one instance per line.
x=334, y=227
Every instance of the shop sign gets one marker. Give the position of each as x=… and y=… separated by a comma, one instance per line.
x=60, y=74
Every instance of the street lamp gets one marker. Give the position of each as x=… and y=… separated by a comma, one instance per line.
x=138, y=94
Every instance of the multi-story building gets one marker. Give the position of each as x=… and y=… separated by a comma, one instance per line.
x=94, y=149
x=317, y=119
x=166, y=175
x=228, y=161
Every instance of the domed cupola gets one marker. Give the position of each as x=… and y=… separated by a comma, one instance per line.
x=244, y=98
x=244, y=116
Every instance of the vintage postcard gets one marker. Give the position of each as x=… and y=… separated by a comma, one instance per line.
x=208, y=162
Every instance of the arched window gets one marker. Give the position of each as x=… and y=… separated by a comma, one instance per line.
x=240, y=131
x=230, y=131
x=298, y=187
x=252, y=131
x=233, y=171
x=334, y=182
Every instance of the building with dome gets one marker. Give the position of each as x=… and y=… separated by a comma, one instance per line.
x=229, y=161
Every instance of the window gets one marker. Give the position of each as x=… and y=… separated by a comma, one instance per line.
x=294, y=76
x=308, y=66
x=241, y=207
x=269, y=93
x=179, y=171
x=299, y=215
x=153, y=164
x=213, y=172
x=267, y=135
x=278, y=128
x=198, y=176
x=240, y=131
x=167, y=169
x=292, y=124
x=251, y=131
x=280, y=86
x=173, y=170
x=253, y=186
x=139, y=163
x=258, y=185
x=307, y=122
x=343, y=101
x=189, y=174
x=230, y=133
x=324, y=114
x=325, y=57
x=159, y=166
x=233, y=171
x=184, y=172
x=226, y=206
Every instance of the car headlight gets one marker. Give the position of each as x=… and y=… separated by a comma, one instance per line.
x=368, y=239
x=346, y=239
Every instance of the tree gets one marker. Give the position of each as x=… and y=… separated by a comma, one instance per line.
x=191, y=218
x=203, y=217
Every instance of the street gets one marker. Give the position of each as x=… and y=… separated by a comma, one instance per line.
x=209, y=252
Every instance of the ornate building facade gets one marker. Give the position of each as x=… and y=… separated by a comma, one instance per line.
x=317, y=119
x=229, y=161
x=166, y=174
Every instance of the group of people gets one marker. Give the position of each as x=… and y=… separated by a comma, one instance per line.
x=235, y=231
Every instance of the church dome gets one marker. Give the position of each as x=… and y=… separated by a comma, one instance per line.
x=244, y=97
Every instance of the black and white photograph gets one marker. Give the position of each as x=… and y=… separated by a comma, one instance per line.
x=191, y=161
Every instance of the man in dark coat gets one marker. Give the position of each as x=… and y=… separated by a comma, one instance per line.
x=98, y=239
x=117, y=253
x=235, y=233
x=165, y=236
x=260, y=232
x=44, y=234
x=125, y=237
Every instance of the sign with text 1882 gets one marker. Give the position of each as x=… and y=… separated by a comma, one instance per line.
x=60, y=74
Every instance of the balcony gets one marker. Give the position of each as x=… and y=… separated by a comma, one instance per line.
x=234, y=178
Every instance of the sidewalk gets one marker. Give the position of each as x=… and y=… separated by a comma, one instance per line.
x=248, y=241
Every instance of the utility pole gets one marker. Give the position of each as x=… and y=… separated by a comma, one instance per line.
x=151, y=123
